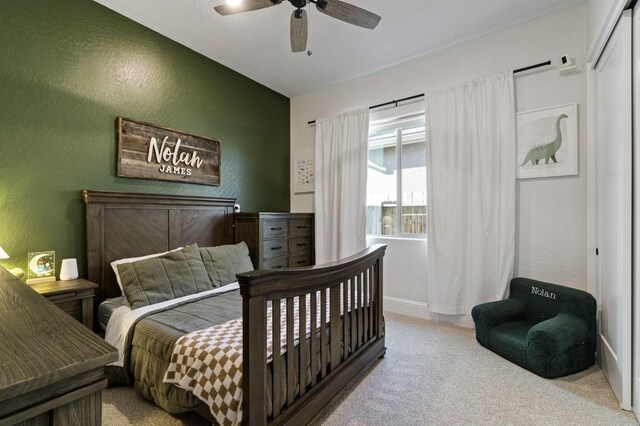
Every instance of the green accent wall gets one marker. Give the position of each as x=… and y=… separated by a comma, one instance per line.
x=68, y=69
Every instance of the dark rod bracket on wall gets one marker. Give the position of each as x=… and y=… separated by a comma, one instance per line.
x=396, y=102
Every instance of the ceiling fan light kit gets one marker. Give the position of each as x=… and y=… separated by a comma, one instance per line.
x=337, y=9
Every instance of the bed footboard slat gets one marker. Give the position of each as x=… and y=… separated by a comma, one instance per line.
x=372, y=323
x=360, y=306
x=291, y=375
x=334, y=327
x=365, y=305
x=313, y=306
x=302, y=324
x=367, y=311
x=353, y=313
x=358, y=309
x=372, y=329
x=361, y=337
x=276, y=375
x=323, y=334
x=345, y=319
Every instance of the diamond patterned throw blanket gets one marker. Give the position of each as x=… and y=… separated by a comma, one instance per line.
x=208, y=363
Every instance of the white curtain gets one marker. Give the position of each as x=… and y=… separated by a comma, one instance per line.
x=471, y=187
x=341, y=185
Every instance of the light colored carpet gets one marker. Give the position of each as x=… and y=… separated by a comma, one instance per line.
x=434, y=374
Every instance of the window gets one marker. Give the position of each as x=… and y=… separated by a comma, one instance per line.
x=397, y=176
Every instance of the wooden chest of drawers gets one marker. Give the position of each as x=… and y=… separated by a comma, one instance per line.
x=277, y=240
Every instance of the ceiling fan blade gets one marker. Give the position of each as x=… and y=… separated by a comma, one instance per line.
x=245, y=6
x=348, y=13
x=299, y=30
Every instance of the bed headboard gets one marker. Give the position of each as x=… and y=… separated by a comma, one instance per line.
x=121, y=225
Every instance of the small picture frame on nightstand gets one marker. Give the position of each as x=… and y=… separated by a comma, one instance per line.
x=41, y=267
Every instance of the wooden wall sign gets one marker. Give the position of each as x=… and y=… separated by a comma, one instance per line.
x=147, y=151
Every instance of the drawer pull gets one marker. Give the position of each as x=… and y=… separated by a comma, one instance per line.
x=301, y=244
x=277, y=267
x=300, y=262
x=301, y=227
x=276, y=248
x=276, y=229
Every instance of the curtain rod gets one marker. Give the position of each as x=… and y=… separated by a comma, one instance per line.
x=396, y=102
x=531, y=67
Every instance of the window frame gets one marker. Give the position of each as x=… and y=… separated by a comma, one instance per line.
x=399, y=124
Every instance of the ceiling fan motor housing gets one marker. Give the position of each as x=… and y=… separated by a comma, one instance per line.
x=298, y=3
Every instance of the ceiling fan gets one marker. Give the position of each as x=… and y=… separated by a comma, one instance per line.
x=299, y=22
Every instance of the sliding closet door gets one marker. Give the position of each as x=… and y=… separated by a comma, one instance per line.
x=613, y=198
x=635, y=388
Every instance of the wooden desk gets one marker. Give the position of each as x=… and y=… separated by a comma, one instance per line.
x=51, y=367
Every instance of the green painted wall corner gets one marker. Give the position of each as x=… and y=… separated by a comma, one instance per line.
x=69, y=68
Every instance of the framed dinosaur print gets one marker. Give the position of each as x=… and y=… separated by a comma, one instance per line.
x=548, y=142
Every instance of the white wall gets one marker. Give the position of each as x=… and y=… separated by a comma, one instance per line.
x=551, y=226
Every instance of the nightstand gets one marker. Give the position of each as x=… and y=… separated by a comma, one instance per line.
x=75, y=297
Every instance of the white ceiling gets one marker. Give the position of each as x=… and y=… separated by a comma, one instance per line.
x=256, y=44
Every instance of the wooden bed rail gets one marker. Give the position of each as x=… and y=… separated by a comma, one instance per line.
x=333, y=310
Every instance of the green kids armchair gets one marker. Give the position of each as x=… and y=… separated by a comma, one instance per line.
x=546, y=328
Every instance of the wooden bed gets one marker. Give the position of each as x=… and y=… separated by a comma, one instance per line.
x=121, y=225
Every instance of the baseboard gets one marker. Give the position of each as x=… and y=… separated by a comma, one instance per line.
x=407, y=307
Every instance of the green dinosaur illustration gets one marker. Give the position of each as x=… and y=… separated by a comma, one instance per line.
x=546, y=151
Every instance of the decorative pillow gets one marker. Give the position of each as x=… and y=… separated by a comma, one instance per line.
x=224, y=262
x=175, y=274
x=115, y=263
